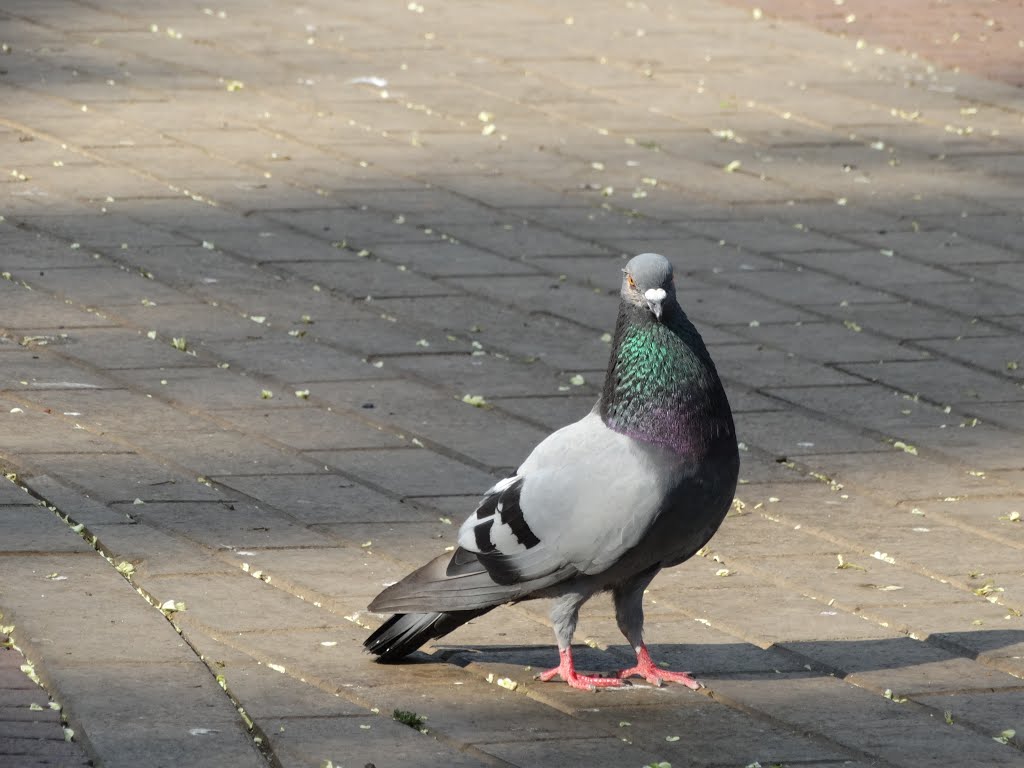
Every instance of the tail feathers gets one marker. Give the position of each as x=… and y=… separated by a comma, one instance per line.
x=403, y=633
x=454, y=583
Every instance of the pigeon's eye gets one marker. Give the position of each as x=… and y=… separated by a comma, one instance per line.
x=629, y=279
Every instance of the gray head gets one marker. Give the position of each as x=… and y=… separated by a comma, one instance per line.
x=647, y=282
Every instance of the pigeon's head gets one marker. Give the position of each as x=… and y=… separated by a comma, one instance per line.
x=647, y=283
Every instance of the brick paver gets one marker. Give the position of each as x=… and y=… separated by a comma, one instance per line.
x=255, y=257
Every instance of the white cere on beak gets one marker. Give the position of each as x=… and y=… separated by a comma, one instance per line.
x=654, y=298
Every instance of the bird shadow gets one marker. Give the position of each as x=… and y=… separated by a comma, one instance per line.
x=837, y=658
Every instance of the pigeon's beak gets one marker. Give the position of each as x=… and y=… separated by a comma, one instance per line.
x=654, y=298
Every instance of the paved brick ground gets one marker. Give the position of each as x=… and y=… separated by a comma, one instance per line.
x=985, y=37
x=255, y=257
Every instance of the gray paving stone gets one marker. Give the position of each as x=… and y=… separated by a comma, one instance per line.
x=31, y=252
x=223, y=525
x=475, y=714
x=965, y=298
x=905, y=320
x=309, y=428
x=606, y=751
x=295, y=361
x=987, y=711
x=102, y=476
x=710, y=734
x=117, y=349
x=367, y=740
x=359, y=227
x=554, y=411
x=793, y=618
x=522, y=240
x=769, y=236
x=44, y=427
x=112, y=232
x=272, y=244
x=828, y=342
x=127, y=719
x=206, y=388
x=383, y=333
x=207, y=450
x=304, y=655
x=13, y=494
x=447, y=258
x=326, y=576
x=492, y=376
x=901, y=542
x=995, y=354
x=942, y=246
x=409, y=542
x=978, y=445
x=414, y=409
x=810, y=287
x=902, y=665
x=155, y=552
x=767, y=469
x=714, y=306
x=197, y=271
x=765, y=368
x=369, y=278
x=321, y=498
x=880, y=268
x=35, y=369
x=873, y=405
x=74, y=602
x=1013, y=322
x=25, y=311
x=786, y=433
x=268, y=695
x=560, y=343
x=994, y=229
x=1006, y=415
x=588, y=306
x=958, y=384
x=411, y=472
x=97, y=407
x=983, y=512
x=910, y=737
x=36, y=529
x=208, y=598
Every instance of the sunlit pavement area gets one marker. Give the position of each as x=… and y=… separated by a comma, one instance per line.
x=287, y=286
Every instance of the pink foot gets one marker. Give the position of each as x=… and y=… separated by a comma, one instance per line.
x=654, y=675
x=567, y=671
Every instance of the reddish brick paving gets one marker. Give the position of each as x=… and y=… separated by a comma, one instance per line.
x=985, y=37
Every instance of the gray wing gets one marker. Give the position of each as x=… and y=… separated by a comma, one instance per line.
x=583, y=498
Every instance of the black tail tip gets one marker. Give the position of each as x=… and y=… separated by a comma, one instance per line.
x=404, y=633
x=399, y=636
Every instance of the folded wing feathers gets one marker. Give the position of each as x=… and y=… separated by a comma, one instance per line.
x=457, y=582
x=498, y=525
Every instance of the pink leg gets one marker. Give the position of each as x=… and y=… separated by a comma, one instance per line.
x=654, y=675
x=567, y=671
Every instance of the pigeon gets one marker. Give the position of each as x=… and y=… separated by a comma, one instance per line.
x=640, y=483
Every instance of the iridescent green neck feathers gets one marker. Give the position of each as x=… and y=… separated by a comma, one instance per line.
x=661, y=385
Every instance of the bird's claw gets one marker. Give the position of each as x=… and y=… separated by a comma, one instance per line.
x=567, y=671
x=581, y=682
x=647, y=669
x=658, y=677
